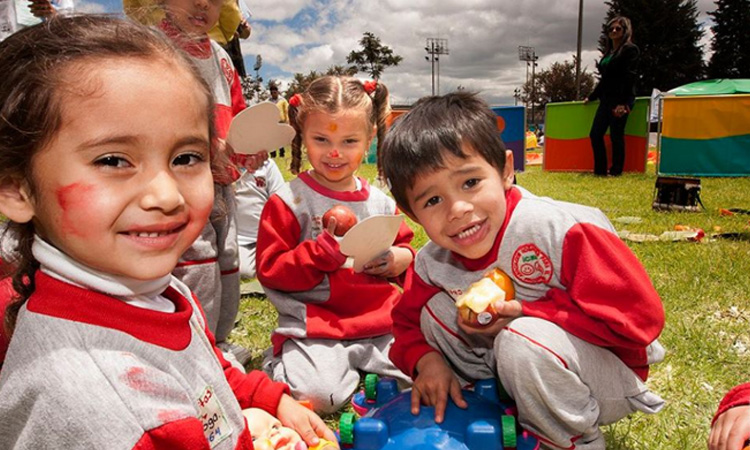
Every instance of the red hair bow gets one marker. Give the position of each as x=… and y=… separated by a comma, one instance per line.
x=370, y=86
x=295, y=101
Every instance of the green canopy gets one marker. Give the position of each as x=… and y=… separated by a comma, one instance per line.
x=714, y=87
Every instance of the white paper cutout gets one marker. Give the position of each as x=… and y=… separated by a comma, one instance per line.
x=257, y=128
x=370, y=238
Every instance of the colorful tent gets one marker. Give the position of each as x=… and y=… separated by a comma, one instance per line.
x=566, y=140
x=721, y=86
x=705, y=135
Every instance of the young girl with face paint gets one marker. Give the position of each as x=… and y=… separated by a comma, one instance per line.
x=333, y=322
x=210, y=267
x=106, y=179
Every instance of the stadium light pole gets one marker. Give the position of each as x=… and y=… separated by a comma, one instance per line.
x=528, y=54
x=434, y=48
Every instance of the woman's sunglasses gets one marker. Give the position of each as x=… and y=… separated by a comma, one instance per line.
x=615, y=28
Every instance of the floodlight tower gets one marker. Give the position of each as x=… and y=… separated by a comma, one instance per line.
x=528, y=54
x=434, y=48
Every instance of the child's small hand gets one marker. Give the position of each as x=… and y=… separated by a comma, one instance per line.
x=390, y=264
x=433, y=385
x=305, y=422
x=507, y=310
x=731, y=429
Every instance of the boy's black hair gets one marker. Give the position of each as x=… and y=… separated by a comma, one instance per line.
x=418, y=141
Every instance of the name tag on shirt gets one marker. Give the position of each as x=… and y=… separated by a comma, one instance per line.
x=216, y=428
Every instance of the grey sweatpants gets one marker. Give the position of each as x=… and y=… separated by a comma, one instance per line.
x=564, y=387
x=326, y=371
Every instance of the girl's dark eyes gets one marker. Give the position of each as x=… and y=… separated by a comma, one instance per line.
x=112, y=161
x=188, y=159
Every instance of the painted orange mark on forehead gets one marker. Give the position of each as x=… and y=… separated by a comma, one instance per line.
x=333, y=126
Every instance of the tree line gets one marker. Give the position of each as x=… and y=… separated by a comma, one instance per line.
x=667, y=33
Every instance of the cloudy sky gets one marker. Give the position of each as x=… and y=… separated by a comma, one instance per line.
x=483, y=38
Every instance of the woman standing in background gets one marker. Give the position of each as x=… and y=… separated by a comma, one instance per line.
x=616, y=94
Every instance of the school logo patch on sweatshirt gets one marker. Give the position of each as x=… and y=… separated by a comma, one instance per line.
x=531, y=265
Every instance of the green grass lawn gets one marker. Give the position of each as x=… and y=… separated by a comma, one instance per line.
x=705, y=288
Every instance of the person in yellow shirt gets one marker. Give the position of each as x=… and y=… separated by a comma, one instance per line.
x=283, y=106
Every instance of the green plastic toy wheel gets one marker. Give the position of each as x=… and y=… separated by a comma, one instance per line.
x=371, y=386
x=510, y=438
x=346, y=428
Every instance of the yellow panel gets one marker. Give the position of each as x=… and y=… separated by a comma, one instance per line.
x=706, y=117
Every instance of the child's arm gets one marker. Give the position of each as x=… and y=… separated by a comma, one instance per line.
x=731, y=425
x=284, y=263
x=609, y=299
x=409, y=344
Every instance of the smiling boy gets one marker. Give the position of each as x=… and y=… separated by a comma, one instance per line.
x=574, y=348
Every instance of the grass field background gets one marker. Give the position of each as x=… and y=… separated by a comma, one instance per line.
x=705, y=288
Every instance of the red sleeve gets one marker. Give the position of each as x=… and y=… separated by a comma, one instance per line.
x=238, y=99
x=184, y=434
x=6, y=297
x=609, y=300
x=253, y=389
x=285, y=264
x=409, y=344
x=738, y=396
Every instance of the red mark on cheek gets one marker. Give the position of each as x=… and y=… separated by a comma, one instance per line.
x=77, y=205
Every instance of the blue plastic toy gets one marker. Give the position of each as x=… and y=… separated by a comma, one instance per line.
x=487, y=424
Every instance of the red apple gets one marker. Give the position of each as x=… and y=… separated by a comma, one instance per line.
x=345, y=219
x=475, y=306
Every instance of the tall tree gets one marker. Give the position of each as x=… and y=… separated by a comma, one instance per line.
x=556, y=84
x=668, y=35
x=731, y=40
x=374, y=56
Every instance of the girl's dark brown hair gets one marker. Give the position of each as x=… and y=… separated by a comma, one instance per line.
x=39, y=65
x=333, y=95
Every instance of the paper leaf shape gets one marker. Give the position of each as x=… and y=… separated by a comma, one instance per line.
x=257, y=128
x=370, y=238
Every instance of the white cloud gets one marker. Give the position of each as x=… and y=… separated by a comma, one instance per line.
x=90, y=7
x=483, y=38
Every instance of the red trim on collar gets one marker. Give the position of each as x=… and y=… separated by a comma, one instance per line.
x=55, y=298
x=345, y=196
x=512, y=197
x=197, y=47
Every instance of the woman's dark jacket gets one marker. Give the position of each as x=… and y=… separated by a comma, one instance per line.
x=617, y=78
